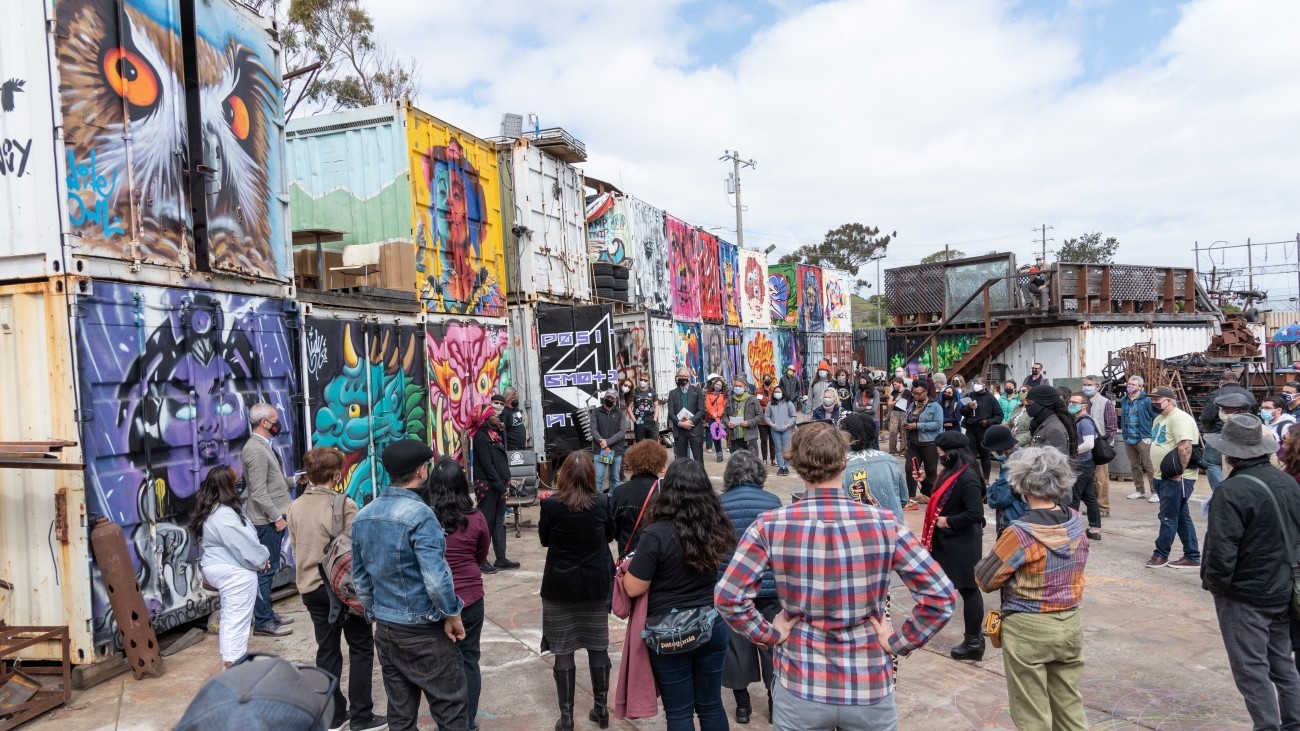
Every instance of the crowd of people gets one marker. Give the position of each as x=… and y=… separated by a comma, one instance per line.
x=728, y=588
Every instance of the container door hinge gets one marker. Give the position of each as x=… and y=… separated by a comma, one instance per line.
x=81, y=416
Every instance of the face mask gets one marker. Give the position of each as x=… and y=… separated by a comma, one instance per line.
x=717, y=387
x=1034, y=409
x=1021, y=397
x=514, y=404
x=681, y=382
x=1266, y=414
x=828, y=402
x=1288, y=397
x=737, y=390
x=1164, y=406
x=778, y=396
x=948, y=460
x=609, y=400
x=977, y=388
x=1089, y=390
x=948, y=395
x=626, y=389
x=767, y=381
x=821, y=374
x=274, y=429
x=841, y=380
x=1036, y=371
x=1001, y=457
x=1134, y=390
x=1010, y=391
x=497, y=409
x=644, y=385
x=1075, y=408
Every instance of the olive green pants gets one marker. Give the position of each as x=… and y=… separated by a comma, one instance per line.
x=1043, y=658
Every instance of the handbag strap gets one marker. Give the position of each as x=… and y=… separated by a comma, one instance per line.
x=1281, y=518
x=644, y=503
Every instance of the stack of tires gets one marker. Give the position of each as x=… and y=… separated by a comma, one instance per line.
x=612, y=281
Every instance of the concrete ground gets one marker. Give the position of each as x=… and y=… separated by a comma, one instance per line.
x=1154, y=655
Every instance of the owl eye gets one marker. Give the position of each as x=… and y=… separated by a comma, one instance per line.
x=354, y=411
x=484, y=383
x=454, y=388
x=236, y=113
x=131, y=77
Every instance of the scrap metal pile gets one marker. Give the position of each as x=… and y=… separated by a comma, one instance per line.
x=1193, y=376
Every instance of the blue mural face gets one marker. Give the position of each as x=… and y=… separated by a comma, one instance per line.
x=168, y=376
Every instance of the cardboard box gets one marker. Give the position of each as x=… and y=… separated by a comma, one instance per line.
x=397, y=266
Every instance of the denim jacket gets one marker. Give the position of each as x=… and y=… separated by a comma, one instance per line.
x=1004, y=500
x=929, y=423
x=399, y=563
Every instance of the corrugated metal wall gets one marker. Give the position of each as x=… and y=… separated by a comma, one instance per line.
x=877, y=347
x=1089, y=347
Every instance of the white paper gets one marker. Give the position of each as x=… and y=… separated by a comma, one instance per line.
x=735, y=420
x=684, y=415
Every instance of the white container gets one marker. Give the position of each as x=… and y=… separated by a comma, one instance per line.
x=543, y=202
x=647, y=344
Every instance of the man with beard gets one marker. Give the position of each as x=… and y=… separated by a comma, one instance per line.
x=268, y=502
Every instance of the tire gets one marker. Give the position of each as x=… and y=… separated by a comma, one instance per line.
x=603, y=269
x=622, y=274
x=621, y=285
x=604, y=281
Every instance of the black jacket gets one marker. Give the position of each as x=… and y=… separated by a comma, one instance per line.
x=1245, y=556
x=579, y=566
x=610, y=425
x=692, y=401
x=985, y=409
x=1210, y=423
x=516, y=431
x=959, y=547
x=625, y=505
x=490, y=463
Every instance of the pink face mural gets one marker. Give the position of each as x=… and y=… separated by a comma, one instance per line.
x=466, y=364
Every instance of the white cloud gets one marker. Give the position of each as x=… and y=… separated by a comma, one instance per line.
x=947, y=120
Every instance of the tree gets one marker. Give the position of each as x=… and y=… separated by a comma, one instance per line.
x=341, y=66
x=942, y=256
x=1088, y=249
x=846, y=248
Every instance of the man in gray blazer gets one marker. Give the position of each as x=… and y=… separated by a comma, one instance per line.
x=267, y=502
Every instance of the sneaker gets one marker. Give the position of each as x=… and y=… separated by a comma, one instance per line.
x=912, y=505
x=1154, y=499
x=1156, y=562
x=505, y=563
x=275, y=630
x=341, y=723
x=719, y=457
x=1184, y=563
x=1137, y=495
x=376, y=723
x=283, y=618
x=487, y=568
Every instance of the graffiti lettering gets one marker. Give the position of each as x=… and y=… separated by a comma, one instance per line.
x=317, y=352
x=7, y=91
x=13, y=157
x=570, y=338
x=585, y=378
x=85, y=179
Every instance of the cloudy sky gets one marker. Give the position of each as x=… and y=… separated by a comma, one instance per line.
x=960, y=122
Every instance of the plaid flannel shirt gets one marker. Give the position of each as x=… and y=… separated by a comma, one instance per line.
x=831, y=559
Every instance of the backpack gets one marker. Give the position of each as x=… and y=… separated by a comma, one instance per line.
x=336, y=564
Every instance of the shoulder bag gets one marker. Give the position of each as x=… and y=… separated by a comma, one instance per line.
x=1102, y=451
x=1290, y=546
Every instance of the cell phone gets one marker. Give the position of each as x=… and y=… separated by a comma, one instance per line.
x=915, y=467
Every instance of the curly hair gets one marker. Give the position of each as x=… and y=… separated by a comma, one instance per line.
x=1291, y=452
x=646, y=457
x=1042, y=472
x=448, y=495
x=743, y=468
x=687, y=502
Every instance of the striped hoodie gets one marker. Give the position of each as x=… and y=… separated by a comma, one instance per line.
x=1038, y=567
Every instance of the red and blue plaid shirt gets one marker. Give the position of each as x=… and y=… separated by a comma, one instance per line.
x=831, y=558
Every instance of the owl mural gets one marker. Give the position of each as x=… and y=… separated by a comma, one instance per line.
x=128, y=128
x=467, y=363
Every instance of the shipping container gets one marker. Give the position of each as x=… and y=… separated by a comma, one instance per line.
x=394, y=174
x=1073, y=351
x=838, y=349
x=469, y=359
x=783, y=297
x=836, y=288
x=684, y=269
x=761, y=356
x=366, y=384
x=545, y=228
x=141, y=184
x=729, y=275
x=44, y=546
x=754, y=308
x=709, y=265
x=644, y=344
x=812, y=310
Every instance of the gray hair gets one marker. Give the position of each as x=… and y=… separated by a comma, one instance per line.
x=939, y=379
x=1094, y=379
x=259, y=412
x=1042, y=472
x=1141, y=381
x=744, y=468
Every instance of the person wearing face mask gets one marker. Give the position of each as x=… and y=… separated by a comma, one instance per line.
x=953, y=532
x=1211, y=421
x=1020, y=423
x=923, y=377
x=980, y=412
x=924, y=424
x=491, y=482
x=951, y=409
x=743, y=415
x=609, y=435
x=1106, y=417
x=1051, y=424
x=791, y=386
x=513, y=419
x=268, y=500
x=820, y=383
x=1136, y=417
x=1275, y=419
x=1007, y=400
x=715, y=408
x=1002, y=444
x=1173, y=436
x=897, y=408
x=781, y=416
x=1085, y=490
x=1291, y=398
x=764, y=395
x=645, y=411
x=844, y=390
x=829, y=409
x=686, y=418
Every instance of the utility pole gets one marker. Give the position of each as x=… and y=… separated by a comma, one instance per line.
x=1044, y=229
x=737, y=164
x=880, y=296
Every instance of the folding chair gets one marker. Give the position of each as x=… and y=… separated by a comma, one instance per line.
x=523, y=482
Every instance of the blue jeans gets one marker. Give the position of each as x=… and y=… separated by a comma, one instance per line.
x=263, y=614
x=1176, y=519
x=614, y=471
x=1213, y=461
x=691, y=684
x=781, y=440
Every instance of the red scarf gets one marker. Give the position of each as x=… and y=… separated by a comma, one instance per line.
x=938, y=499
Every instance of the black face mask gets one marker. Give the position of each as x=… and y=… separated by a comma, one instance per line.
x=514, y=404
x=1009, y=391
x=609, y=402
x=1034, y=409
x=681, y=382
x=948, y=460
x=274, y=429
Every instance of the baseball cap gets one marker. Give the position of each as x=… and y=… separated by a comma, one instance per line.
x=263, y=692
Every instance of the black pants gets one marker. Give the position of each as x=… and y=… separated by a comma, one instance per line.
x=765, y=443
x=422, y=659
x=976, y=435
x=1085, y=491
x=493, y=507
x=329, y=655
x=470, y=651
x=972, y=611
x=737, y=444
x=684, y=439
x=927, y=456
x=645, y=431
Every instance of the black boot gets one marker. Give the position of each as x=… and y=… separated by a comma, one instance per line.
x=564, y=682
x=600, y=690
x=971, y=649
x=744, y=709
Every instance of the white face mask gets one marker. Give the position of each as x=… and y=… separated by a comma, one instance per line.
x=828, y=402
x=626, y=389
x=821, y=374
x=977, y=388
x=778, y=396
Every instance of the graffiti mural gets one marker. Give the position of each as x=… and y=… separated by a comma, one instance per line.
x=366, y=394
x=690, y=354
x=127, y=130
x=812, y=315
x=684, y=258
x=736, y=353
x=168, y=376
x=839, y=317
x=949, y=348
x=760, y=355
x=753, y=290
x=713, y=344
x=786, y=350
x=711, y=308
x=468, y=361
x=632, y=351
x=729, y=259
x=781, y=295
x=650, y=253
x=459, y=259
x=609, y=237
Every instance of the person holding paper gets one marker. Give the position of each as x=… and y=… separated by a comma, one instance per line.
x=686, y=418
x=743, y=415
